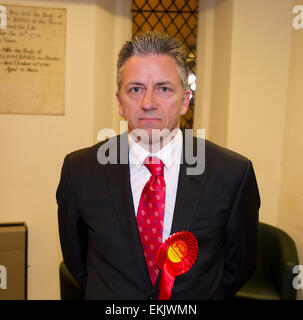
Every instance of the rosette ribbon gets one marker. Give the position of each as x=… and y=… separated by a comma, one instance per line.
x=175, y=257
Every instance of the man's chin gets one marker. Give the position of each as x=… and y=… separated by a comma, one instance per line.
x=152, y=136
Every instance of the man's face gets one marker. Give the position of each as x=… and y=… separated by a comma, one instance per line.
x=151, y=95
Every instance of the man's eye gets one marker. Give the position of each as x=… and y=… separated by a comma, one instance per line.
x=135, y=89
x=164, y=90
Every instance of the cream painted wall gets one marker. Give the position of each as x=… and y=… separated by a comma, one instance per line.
x=221, y=71
x=104, y=62
x=123, y=32
x=33, y=146
x=113, y=28
x=205, y=36
x=290, y=213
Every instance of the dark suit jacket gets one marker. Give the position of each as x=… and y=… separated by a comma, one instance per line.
x=101, y=244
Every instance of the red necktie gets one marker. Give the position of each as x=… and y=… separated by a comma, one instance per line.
x=150, y=215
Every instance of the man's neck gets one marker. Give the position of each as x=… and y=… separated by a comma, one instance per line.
x=155, y=143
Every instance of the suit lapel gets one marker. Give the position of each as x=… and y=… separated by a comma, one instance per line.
x=118, y=175
x=188, y=193
x=190, y=187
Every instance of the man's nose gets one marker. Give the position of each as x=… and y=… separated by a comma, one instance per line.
x=148, y=102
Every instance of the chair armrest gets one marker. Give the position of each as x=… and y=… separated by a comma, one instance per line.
x=288, y=258
x=70, y=289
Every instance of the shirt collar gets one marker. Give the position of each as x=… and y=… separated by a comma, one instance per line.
x=168, y=154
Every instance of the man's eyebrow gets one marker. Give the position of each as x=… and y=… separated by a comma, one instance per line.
x=132, y=83
x=161, y=83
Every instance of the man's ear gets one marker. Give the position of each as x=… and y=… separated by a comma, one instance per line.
x=120, y=104
x=185, y=103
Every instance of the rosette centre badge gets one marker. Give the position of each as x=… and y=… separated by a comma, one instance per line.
x=175, y=257
x=177, y=251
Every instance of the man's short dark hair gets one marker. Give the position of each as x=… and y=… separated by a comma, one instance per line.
x=153, y=42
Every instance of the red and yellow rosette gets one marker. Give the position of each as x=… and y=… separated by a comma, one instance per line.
x=175, y=257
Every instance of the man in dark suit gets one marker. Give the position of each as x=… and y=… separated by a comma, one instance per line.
x=99, y=203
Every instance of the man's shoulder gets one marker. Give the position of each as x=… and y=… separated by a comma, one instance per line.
x=224, y=161
x=216, y=152
x=91, y=152
x=84, y=153
x=213, y=152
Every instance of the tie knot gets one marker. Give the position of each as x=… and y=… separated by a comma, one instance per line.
x=154, y=165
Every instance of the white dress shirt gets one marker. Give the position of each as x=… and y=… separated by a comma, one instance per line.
x=139, y=175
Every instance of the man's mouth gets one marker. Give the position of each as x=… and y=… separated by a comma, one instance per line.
x=149, y=119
